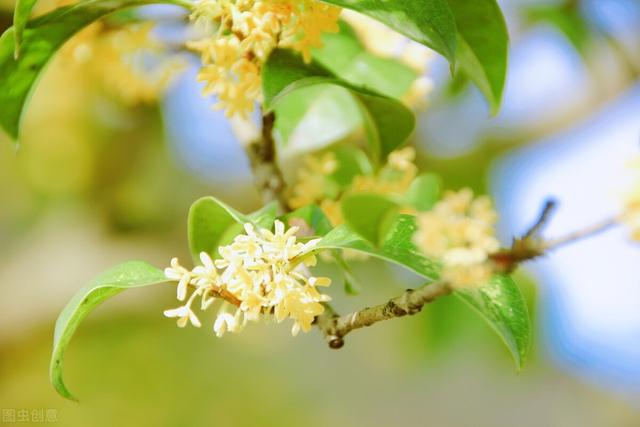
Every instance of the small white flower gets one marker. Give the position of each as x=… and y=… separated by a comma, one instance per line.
x=184, y=314
x=181, y=275
x=226, y=322
x=205, y=274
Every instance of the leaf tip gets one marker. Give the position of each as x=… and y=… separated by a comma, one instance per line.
x=58, y=382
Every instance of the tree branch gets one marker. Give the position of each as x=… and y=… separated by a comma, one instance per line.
x=266, y=174
x=530, y=246
x=335, y=327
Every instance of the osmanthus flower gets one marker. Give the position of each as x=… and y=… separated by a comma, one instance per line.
x=260, y=273
x=312, y=182
x=314, y=185
x=459, y=231
x=247, y=31
x=128, y=62
x=394, y=177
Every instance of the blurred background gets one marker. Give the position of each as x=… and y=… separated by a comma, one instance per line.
x=102, y=178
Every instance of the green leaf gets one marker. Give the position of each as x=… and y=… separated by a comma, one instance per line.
x=397, y=246
x=500, y=303
x=208, y=223
x=285, y=71
x=130, y=274
x=429, y=22
x=346, y=57
x=567, y=17
x=39, y=40
x=310, y=216
x=265, y=216
x=482, y=46
x=387, y=121
x=21, y=13
x=424, y=191
x=314, y=117
x=503, y=307
x=369, y=215
x=212, y=223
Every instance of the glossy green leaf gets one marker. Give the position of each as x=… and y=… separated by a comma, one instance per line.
x=424, y=191
x=21, y=14
x=429, y=22
x=387, y=121
x=315, y=117
x=346, y=57
x=208, y=223
x=212, y=223
x=500, y=303
x=39, y=40
x=397, y=246
x=131, y=274
x=310, y=219
x=369, y=215
x=503, y=307
x=482, y=47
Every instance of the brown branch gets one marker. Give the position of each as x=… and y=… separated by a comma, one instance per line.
x=335, y=327
x=266, y=174
x=530, y=246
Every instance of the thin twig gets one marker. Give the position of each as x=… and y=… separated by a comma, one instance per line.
x=549, y=207
x=589, y=231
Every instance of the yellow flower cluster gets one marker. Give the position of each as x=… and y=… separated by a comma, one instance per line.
x=394, y=177
x=261, y=272
x=459, y=231
x=128, y=62
x=313, y=184
x=631, y=211
x=247, y=32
